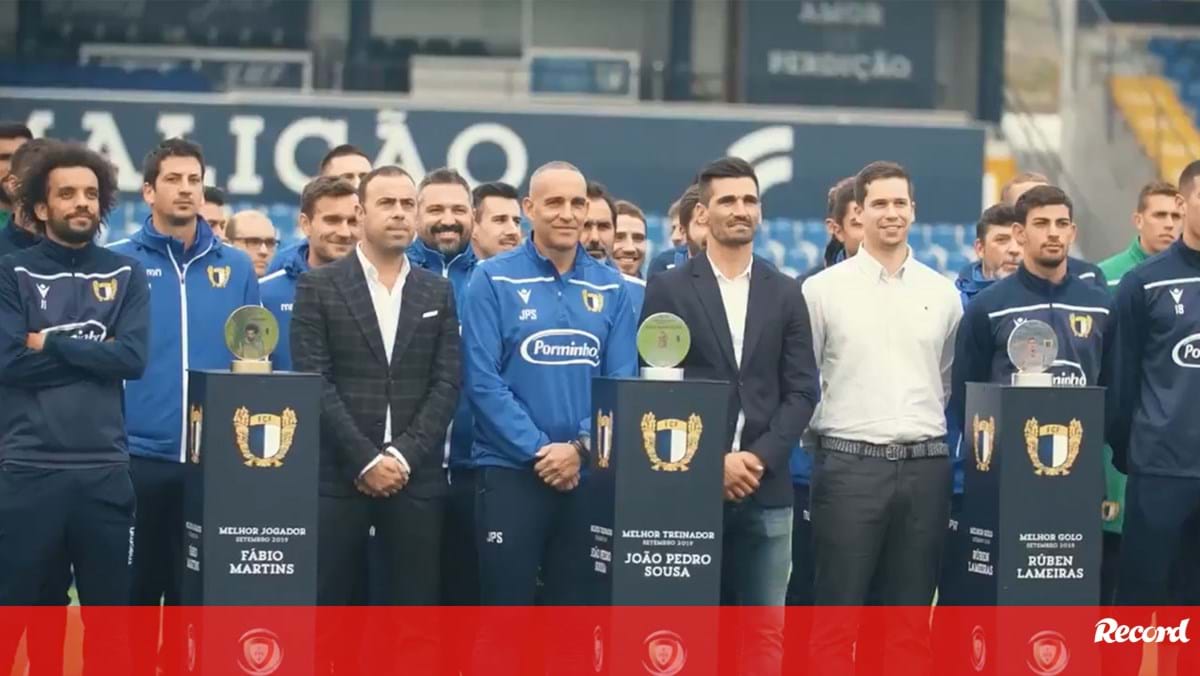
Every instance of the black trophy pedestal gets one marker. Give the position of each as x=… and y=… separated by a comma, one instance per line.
x=656, y=480
x=250, y=513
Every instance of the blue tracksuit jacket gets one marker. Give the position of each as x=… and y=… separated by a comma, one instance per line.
x=192, y=293
x=278, y=292
x=532, y=341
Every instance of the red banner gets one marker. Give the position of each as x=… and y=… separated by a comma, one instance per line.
x=625, y=641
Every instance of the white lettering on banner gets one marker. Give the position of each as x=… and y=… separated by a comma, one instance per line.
x=878, y=65
x=391, y=127
x=842, y=13
x=245, y=179
x=332, y=131
x=40, y=122
x=1109, y=630
x=172, y=125
x=105, y=138
x=516, y=157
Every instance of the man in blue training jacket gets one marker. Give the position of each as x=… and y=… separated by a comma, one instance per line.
x=694, y=232
x=599, y=234
x=539, y=322
x=74, y=324
x=196, y=282
x=329, y=215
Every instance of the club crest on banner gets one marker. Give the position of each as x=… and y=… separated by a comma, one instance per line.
x=680, y=438
x=665, y=654
x=1081, y=325
x=604, y=438
x=984, y=432
x=195, y=421
x=1048, y=653
x=264, y=438
x=261, y=652
x=1053, y=448
x=593, y=301
x=218, y=276
x=104, y=290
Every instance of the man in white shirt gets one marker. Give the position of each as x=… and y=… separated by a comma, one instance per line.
x=883, y=327
x=384, y=335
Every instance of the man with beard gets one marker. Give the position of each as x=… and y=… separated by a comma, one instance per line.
x=12, y=136
x=74, y=324
x=599, y=230
x=629, y=242
x=750, y=328
x=997, y=250
x=497, y=219
x=214, y=210
x=19, y=234
x=329, y=215
x=693, y=230
x=1077, y=267
x=196, y=282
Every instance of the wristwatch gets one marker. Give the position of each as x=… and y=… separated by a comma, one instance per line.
x=581, y=447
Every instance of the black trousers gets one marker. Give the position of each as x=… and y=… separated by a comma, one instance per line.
x=874, y=516
x=408, y=533
x=79, y=517
x=460, y=570
x=157, y=563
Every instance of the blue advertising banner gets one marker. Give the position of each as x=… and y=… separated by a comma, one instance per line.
x=262, y=150
x=840, y=52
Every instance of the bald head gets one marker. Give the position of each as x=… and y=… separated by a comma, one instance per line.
x=252, y=232
x=557, y=205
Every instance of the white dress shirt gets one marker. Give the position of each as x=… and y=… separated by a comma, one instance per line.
x=387, y=313
x=884, y=345
x=735, y=296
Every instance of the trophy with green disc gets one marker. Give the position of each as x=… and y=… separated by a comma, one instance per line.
x=251, y=334
x=663, y=341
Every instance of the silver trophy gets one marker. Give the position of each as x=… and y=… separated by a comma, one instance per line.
x=663, y=341
x=1032, y=349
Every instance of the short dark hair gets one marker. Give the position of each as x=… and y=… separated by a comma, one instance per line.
x=687, y=205
x=1187, y=178
x=997, y=214
x=1041, y=196
x=726, y=167
x=1022, y=177
x=22, y=157
x=34, y=186
x=444, y=176
x=493, y=189
x=839, y=199
x=598, y=191
x=627, y=208
x=385, y=170
x=877, y=171
x=214, y=195
x=1155, y=188
x=323, y=186
x=13, y=129
x=341, y=151
x=172, y=147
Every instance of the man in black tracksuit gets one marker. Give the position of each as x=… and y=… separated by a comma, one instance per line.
x=74, y=323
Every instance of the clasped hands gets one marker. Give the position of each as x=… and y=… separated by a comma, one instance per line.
x=743, y=471
x=385, y=479
x=558, y=465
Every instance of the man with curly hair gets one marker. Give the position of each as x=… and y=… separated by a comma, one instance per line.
x=74, y=324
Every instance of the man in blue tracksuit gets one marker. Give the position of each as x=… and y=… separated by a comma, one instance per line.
x=1153, y=428
x=328, y=219
x=74, y=323
x=196, y=282
x=538, y=323
x=599, y=234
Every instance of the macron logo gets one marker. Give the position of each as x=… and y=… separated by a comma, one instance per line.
x=1109, y=630
x=769, y=151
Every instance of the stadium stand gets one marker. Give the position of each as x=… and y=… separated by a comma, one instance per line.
x=1163, y=125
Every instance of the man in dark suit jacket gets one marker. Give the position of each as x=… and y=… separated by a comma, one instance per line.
x=384, y=334
x=749, y=326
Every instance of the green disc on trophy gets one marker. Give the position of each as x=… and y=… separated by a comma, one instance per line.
x=251, y=334
x=663, y=340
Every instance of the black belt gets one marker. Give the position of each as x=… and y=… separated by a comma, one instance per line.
x=929, y=448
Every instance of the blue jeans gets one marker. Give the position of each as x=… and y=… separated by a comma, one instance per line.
x=756, y=562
